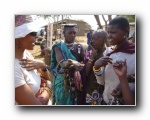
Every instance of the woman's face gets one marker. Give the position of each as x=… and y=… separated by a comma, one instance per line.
x=28, y=42
x=70, y=35
x=115, y=35
x=97, y=41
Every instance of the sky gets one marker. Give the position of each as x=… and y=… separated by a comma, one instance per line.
x=90, y=19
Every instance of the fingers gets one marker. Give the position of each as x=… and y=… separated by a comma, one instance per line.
x=106, y=60
x=76, y=63
x=25, y=61
x=119, y=63
x=28, y=68
x=115, y=93
x=81, y=65
x=91, y=46
x=28, y=65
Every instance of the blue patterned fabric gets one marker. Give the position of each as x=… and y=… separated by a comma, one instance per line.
x=60, y=95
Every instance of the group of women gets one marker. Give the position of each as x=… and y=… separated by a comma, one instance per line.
x=101, y=76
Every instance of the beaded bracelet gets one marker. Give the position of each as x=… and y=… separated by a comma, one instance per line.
x=97, y=69
x=99, y=73
x=58, y=66
x=90, y=62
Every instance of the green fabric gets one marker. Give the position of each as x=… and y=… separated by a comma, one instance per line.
x=60, y=95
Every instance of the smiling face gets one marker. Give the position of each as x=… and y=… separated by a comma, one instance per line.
x=28, y=42
x=70, y=34
x=115, y=35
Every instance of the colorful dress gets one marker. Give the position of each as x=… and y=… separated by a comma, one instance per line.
x=61, y=94
x=92, y=90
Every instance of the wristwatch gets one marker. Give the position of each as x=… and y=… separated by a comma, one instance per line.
x=45, y=69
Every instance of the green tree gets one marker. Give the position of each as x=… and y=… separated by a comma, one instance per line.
x=131, y=18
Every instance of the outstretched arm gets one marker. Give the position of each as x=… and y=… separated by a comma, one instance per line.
x=65, y=63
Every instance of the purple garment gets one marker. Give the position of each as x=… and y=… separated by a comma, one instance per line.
x=84, y=78
x=126, y=47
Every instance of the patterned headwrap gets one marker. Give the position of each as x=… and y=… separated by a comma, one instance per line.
x=24, y=25
x=21, y=19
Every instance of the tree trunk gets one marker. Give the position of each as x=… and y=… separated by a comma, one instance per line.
x=109, y=18
x=98, y=21
x=105, y=22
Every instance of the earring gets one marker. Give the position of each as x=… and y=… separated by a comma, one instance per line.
x=124, y=36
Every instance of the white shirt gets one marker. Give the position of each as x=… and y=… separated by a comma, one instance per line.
x=111, y=80
x=22, y=76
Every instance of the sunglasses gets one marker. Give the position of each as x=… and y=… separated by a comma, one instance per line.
x=34, y=34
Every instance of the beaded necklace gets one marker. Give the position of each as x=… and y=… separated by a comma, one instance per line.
x=70, y=45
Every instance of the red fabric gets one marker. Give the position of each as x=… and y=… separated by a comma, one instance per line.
x=43, y=52
x=78, y=80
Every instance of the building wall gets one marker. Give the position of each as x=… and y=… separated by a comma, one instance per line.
x=80, y=26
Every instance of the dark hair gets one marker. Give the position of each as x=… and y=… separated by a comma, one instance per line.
x=102, y=32
x=68, y=26
x=34, y=34
x=121, y=22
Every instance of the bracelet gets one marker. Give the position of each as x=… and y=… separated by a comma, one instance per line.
x=97, y=69
x=59, y=69
x=99, y=73
x=61, y=61
x=90, y=62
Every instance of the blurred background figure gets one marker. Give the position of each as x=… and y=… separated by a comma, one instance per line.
x=89, y=36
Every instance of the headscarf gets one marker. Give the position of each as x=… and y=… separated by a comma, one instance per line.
x=24, y=25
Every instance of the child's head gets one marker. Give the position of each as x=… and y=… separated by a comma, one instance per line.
x=118, y=30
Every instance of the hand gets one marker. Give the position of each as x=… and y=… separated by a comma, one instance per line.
x=116, y=93
x=120, y=69
x=42, y=100
x=42, y=95
x=31, y=64
x=103, y=61
x=76, y=64
x=94, y=51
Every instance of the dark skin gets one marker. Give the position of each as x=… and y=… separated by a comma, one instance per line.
x=69, y=35
x=115, y=37
x=97, y=46
x=120, y=69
